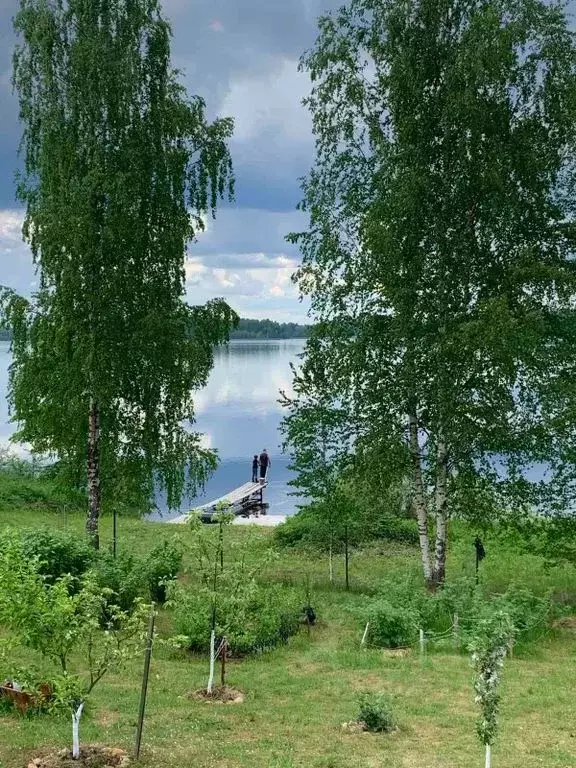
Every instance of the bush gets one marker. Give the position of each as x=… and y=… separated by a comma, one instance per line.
x=58, y=553
x=391, y=626
x=162, y=566
x=376, y=712
x=123, y=578
x=251, y=617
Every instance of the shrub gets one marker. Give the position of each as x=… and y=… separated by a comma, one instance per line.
x=121, y=578
x=58, y=553
x=391, y=626
x=250, y=616
x=376, y=712
x=162, y=566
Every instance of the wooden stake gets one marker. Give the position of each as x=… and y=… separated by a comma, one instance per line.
x=147, y=657
x=223, y=653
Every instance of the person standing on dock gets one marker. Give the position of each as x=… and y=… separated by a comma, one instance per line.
x=255, y=469
x=265, y=463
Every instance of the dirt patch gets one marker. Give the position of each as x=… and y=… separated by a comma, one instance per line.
x=105, y=718
x=90, y=757
x=566, y=622
x=359, y=726
x=220, y=695
x=396, y=653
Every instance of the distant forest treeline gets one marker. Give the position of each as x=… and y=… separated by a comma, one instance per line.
x=247, y=329
x=268, y=329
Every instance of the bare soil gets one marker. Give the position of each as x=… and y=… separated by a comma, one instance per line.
x=220, y=694
x=90, y=757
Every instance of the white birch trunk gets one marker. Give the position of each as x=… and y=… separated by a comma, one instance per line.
x=76, y=731
x=440, y=505
x=488, y=762
x=420, y=499
x=212, y=649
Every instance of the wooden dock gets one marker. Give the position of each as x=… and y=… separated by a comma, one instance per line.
x=238, y=500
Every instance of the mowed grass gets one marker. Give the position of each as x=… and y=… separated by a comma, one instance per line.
x=298, y=696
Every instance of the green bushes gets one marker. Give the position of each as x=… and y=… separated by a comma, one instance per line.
x=251, y=617
x=391, y=626
x=58, y=553
x=124, y=577
x=396, y=615
x=376, y=712
x=162, y=566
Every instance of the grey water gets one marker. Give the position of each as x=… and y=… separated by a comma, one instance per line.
x=237, y=412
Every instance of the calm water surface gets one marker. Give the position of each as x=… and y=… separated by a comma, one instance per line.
x=238, y=412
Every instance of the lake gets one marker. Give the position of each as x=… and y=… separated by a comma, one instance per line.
x=238, y=412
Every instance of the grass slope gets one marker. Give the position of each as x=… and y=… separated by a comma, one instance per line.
x=298, y=696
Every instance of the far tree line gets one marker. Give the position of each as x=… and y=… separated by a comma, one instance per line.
x=246, y=329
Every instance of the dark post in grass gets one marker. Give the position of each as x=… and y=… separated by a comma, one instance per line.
x=147, y=656
x=480, y=553
x=224, y=651
x=114, y=531
x=346, y=556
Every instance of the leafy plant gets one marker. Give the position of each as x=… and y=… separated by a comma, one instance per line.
x=63, y=626
x=488, y=650
x=57, y=553
x=162, y=566
x=390, y=626
x=121, y=579
x=252, y=617
x=376, y=712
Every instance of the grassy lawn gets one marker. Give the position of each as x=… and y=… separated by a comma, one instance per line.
x=298, y=696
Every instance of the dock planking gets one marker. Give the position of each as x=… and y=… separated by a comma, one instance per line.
x=237, y=499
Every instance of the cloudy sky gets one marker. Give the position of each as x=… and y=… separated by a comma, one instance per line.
x=241, y=56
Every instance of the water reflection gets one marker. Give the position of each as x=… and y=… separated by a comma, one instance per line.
x=238, y=412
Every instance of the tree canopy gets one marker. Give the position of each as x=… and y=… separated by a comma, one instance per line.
x=120, y=167
x=439, y=257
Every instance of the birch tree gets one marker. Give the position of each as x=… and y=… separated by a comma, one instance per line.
x=121, y=167
x=439, y=253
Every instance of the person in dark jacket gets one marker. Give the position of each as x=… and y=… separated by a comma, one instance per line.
x=264, y=465
x=255, y=469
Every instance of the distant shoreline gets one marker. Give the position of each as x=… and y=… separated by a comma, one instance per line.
x=249, y=330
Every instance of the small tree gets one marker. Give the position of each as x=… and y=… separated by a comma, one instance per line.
x=489, y=648
x=65, y=628
x=227, y=581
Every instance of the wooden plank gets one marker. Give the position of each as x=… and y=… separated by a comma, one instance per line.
x=233, y=498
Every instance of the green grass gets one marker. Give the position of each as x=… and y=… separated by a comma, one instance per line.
x=298, y=696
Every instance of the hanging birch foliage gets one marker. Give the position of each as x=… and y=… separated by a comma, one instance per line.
x=121, y=167
x=439, y=253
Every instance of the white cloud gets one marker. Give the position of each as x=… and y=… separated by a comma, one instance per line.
x=271, y=100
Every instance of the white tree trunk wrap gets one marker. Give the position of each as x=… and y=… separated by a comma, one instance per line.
x=75, y=731
x=330, y=565
x=488, y=757
x=211, y=676
x=365, y=634
x=422, y=643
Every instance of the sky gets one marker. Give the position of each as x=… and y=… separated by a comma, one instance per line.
x=241, y=56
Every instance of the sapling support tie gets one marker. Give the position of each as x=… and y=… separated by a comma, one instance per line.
x=147, y=656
